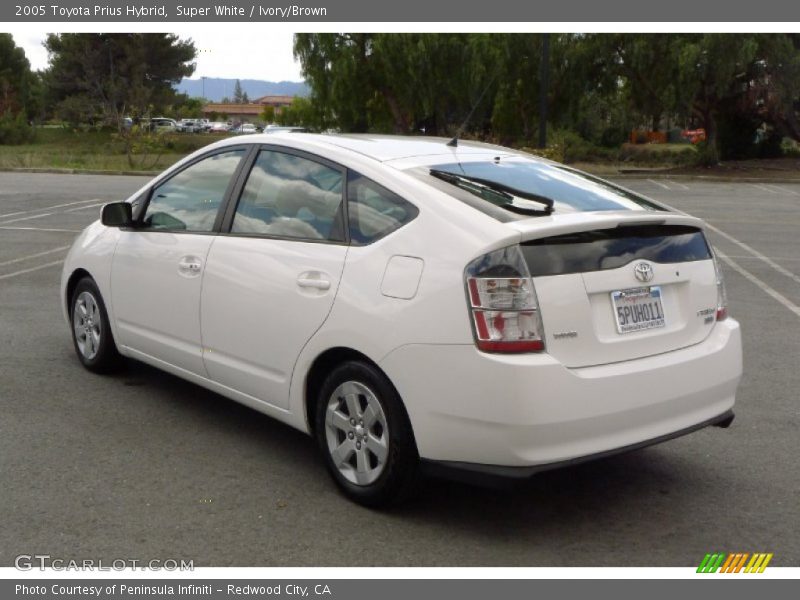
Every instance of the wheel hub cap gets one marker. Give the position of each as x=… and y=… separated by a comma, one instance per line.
x=356, y=433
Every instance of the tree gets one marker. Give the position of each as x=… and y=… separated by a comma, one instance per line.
x=115, y=74
x=397, y=82
x=601, y=87
x=268, y=113
x=17, y=81
x=239, y=97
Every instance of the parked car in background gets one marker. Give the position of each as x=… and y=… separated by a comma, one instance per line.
x=160, y=124
x=218, y=127
x=190, y=125
x=284, y=128
x=244, y=128
x=415, y=306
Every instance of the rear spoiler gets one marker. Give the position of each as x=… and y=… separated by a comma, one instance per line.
x=558, y=224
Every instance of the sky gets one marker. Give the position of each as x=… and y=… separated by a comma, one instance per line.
x=232, y=51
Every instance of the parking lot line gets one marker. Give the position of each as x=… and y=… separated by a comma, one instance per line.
x=28, y=218
x=30, y=256
x=760, y=284
x=784, y=190
x=683, y=186
x=33, y=210
x=763, y=188
x=32, y=269
x=78, y=208
x=756, y=253
x=659, y=184
x=40, y=229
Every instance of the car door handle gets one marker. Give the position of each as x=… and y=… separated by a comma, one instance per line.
x=190, y=266
x=309, y=282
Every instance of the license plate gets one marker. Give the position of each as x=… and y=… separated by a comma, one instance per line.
x=638, y=309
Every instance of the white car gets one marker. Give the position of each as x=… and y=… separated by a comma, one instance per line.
x=246, y=128
x=415, y=306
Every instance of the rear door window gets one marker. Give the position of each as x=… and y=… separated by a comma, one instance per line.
x=291, y=196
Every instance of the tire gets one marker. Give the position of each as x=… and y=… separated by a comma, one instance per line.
x=91, y=331
x=365, y=436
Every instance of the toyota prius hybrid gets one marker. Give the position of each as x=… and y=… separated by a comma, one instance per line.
x=414, y=305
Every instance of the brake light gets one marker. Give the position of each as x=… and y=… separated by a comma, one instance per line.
x=503, y=303
x=722, y=295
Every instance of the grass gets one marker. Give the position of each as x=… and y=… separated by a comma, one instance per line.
x=61, y=148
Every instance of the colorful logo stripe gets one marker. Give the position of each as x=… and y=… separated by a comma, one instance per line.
x=734, y=562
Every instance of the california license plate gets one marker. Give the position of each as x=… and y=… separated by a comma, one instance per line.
x=638, y=309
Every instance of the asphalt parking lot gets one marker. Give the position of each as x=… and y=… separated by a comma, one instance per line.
x=142, y=465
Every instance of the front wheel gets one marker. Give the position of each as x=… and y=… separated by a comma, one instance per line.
x=365, y=436
x=91, y=332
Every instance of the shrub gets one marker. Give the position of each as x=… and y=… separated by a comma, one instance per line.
x=15, y=130
x=567, y=146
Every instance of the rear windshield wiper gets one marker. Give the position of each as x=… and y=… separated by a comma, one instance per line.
x=505, y=194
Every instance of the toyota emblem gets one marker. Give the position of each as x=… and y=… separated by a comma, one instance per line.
x=643, y=272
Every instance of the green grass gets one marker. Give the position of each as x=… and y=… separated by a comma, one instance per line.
x=61, y=148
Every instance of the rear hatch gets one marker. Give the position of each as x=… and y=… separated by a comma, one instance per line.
x=621, y=286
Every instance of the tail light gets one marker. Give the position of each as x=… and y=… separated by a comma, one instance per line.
x=503, y=303
x=722, y=295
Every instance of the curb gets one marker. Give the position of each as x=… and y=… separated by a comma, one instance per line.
x=708, y=178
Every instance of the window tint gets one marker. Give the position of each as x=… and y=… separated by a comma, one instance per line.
x=569, y=189
x=291, y=196
x=373, y=210
x=613, y=248
x=190, y=200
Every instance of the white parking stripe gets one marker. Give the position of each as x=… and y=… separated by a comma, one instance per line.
x=756, y=253
x=32, y=269
x=40, y=229
x=683, y=186
x=784, y=190
x=33, y=210
x=763, y=188
x=30, y=256
x=659, y=184
x=26, y=218
x=764, y=287
x=77, y=208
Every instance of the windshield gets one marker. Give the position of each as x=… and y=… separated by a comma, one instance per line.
x=569, y=190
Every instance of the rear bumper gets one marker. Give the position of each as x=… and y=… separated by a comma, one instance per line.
x=500, y=476
x=531, y=412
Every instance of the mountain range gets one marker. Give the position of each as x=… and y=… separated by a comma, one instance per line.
x=217, y=88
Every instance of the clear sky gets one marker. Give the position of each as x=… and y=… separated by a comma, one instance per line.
x=229, y=50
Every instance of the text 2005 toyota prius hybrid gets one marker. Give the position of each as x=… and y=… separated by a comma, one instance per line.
x=413, y=304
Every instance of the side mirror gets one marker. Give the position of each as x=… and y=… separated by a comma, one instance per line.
x=117, y=214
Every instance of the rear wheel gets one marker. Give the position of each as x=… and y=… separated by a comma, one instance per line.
x=365, y=436
x=91, y=332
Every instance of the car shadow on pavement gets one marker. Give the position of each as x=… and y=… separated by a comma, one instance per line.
x=589, y=501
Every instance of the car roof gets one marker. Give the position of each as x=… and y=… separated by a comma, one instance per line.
x=383, y=148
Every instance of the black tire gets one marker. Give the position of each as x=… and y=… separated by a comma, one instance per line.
x=102, y=357
x=398, y=472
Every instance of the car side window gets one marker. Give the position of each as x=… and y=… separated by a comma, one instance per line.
x=291, y=196
x=374, y=211
x=190, y=200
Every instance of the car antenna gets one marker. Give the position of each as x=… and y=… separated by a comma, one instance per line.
x=454, y=142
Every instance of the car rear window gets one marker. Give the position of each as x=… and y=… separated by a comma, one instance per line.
x=613, y=248
x=570, y=190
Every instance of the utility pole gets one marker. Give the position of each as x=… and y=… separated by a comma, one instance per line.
x=204, y=86
x=544, y=86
